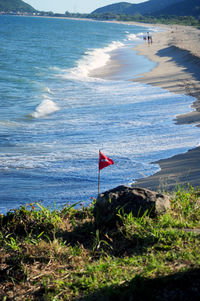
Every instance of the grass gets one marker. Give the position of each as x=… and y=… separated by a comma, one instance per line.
x=61, y=255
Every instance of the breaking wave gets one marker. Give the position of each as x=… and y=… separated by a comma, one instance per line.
x=94, y=59
x=46, y=107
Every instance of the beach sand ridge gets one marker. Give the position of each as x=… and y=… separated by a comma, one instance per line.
x=177, y=52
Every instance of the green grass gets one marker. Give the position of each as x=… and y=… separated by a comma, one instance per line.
x=60, y=255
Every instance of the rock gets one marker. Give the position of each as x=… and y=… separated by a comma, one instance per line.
x=128, y=199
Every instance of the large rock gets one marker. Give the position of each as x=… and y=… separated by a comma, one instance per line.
x=128, y=199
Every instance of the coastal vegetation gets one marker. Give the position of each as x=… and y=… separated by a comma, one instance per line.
x=162, y=19
x=61, y=254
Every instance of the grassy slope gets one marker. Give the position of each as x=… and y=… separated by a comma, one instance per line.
x=60, y=255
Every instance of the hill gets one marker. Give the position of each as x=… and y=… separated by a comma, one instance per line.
x=154, y=8
x=185, y=8
x=117, y=8
x=150, y=7
x=15, y=6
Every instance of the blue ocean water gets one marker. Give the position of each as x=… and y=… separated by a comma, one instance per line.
x=65, y=93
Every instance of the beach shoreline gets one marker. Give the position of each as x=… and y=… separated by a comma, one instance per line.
x=176, y=50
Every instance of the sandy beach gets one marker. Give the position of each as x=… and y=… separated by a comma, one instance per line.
x=176, y=51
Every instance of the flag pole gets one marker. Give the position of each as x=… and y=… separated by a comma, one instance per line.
x=99, y=183
x=99, y=177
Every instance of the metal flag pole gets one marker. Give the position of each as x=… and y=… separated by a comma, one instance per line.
x=99, y=177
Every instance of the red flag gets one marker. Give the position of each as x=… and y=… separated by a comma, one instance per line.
x=104, y=161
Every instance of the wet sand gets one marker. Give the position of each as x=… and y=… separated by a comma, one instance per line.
x=177, y=53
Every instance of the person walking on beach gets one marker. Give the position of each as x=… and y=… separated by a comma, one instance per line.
x=149, y=38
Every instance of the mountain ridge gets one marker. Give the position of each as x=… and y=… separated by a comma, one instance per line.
x=154, y=8
x=183, y=9
x=16, y=6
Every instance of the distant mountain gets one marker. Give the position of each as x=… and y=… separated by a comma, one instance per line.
x=154, y=8
x=117, y=8
x=185, y=8
x=150, y=7
x=15, y=6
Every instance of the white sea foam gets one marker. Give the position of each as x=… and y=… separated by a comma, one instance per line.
x=8, y=123
x=94, y=59
x=154, y=29
x=55, y=68
x=48, y=90
x=134, y=37
x=46, y=107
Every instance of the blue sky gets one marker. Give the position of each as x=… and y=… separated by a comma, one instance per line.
x=73, y=6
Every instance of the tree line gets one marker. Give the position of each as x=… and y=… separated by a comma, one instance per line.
x=164, y=19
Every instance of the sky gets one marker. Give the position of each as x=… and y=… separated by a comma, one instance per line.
x=73, y=6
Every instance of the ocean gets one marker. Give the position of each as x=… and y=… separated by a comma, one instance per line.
x=66, y=93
